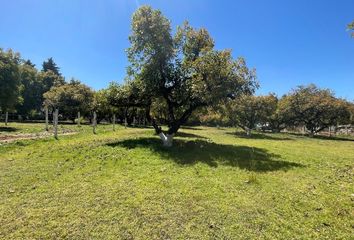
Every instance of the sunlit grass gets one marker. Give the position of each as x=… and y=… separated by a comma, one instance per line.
x=212, y=184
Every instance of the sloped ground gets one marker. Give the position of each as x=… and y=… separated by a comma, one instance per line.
x=213, y=184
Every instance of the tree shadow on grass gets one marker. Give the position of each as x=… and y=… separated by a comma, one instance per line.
x=8, y=129
x=257, y=135
x=188, y=135
x=191, y=152
x=322, y=137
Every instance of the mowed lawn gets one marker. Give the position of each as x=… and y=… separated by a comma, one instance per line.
x=212, y=184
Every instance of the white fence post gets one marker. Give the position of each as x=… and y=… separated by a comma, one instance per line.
x=94, y=122
x=55, y=120
x=46, y=119
x=6, y=117
x=114, y=122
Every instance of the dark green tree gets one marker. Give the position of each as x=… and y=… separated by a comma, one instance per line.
x=32, y=93
x=50, y=65
x=10, y=80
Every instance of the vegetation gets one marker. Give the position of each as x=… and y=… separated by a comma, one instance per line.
x=70, y=98
x=184, y=71
x=10, y=81
x=315, y=108
x=211, y=184
x=351, y=28
x=248, y=111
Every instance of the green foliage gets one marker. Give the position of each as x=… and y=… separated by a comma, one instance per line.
x=101, y=105
x=70, y=99
x=49, y=79
x=351, y=28
x=248, y=111
x=184, y=69
x=315, y=108
x=10, y=80
x=32, y=93
x=50, y=65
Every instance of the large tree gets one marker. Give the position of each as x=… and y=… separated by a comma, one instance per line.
x=10, y=80
x=315, y=108
x=184, y=70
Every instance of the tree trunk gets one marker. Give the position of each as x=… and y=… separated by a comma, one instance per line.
x=311, y=134
x=6, y=117
x=248, y=132
x=78, y=119
x=114, y=122
x=167, y=139
x=94, y=122
x=46, y=119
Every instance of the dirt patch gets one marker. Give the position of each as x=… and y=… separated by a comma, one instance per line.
x=25, y=136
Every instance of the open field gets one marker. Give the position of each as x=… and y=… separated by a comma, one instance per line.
x=212, y=184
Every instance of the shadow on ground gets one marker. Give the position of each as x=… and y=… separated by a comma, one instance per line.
x=188, y=135
x=333, y=138
x=186, y=152
x=8, y=129
x=257, y=135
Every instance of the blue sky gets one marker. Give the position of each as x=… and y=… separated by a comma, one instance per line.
x=288, y=42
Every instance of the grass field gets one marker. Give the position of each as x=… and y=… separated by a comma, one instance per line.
x=212, y=184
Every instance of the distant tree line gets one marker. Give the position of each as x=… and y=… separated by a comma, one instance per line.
x=173, y=80
x=310, y=107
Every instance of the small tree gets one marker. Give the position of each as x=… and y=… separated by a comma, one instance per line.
x=184, y=70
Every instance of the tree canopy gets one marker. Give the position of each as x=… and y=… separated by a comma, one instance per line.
x=70, y=98
x=10, y=80
x=315, y=108
x=184, y=70
x=50, y=65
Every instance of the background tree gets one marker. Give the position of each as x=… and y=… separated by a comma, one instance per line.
x=127, y=98
x=101, y=105
x=184, y=70
x=10, y=81
x=32, y=93
x=50, y=65
x=49, y=79
x=314, y=108
x=70, y=99
x=248, y=111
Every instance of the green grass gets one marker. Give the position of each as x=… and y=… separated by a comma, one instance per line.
x=212, y=184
